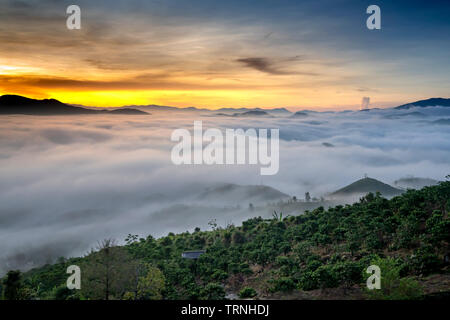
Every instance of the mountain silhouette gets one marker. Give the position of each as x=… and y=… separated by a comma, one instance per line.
x=13, y=104
x=299, y=114
x=233, y=193
x=432, y=102
x=367, y=185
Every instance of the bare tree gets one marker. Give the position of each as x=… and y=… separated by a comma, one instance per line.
x=106, y=271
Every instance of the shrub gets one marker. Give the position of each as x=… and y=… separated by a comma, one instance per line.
x=247, y=293
x=282, y=284
x=213, y=291
x=392, y=286
x=308, y=281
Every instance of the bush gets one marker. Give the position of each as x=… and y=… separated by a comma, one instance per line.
x=247, y=293
x=213, y=291
x=392, y=286
x=238, y=237
x=308, y=281
x=425, y=261
x=283, y=284
x=219, y=275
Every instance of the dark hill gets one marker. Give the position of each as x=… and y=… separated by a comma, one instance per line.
x=299, y=114
x=252, y=113
x=232, y=193
x=433, y=102
x=127, y=111
x=367, y=185
x=13, y=104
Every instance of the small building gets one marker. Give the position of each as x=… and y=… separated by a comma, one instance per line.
x=192, y=254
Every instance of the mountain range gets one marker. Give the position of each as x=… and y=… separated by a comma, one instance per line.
x=14, y=104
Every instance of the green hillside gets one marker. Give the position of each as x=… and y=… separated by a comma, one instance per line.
x=284, y=257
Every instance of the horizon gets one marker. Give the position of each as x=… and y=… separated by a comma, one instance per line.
x=288, y=108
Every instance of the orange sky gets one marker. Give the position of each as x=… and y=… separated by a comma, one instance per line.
x=195, y=61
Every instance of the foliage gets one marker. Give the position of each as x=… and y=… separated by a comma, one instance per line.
x=393, y=286
x=247, y=293
x=317, y=249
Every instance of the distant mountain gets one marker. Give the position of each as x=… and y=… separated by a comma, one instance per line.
x=327, y=144
x=253, y=113
x=154, y=108
x=13, y=104
x=367, y=185
x=445, y=121
x=244, y=110
x=415, y=114
x=414, y=183
x=299, y=114
x=433, y=102
x=127, y=111
x=279, y=111
x=237, y=194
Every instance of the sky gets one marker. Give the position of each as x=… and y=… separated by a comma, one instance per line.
x=268, y=53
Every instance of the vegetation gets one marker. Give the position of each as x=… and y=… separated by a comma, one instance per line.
x=407, y=237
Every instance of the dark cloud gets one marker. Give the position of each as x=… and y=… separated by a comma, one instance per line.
x=29, y=83
x=275, y=66
x=262, y=64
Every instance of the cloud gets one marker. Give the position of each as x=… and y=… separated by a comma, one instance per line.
x=274, y=67
x=261, y=64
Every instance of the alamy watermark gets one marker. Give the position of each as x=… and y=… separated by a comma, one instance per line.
x=73, y=21
x=374, y=20
x=374, y=280
x=236, y=146
x=74, y=280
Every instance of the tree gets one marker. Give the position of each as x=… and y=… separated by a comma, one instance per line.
x=307, y=197
x=247, y=292
x=12, y=285
x=393, y=287
x=150, y=286
x=108, y=272
x=213, y=291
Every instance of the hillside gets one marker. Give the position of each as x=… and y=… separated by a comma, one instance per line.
x=283, y=257
x=252, y=113
x=237, y=194
x=432, y=102
x=367, y=185
x=12, y=104
x=300, y=114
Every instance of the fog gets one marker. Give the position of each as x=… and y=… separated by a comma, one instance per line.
x=68, y=181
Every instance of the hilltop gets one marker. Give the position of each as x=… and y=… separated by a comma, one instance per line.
x=232, y=193
x=367, y=185
x=432, y=102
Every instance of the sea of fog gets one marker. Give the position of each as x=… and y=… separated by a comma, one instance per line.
x=68, y=181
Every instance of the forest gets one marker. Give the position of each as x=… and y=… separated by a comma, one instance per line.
x=279, y=258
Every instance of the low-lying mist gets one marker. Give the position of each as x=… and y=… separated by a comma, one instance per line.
x=68, y=181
